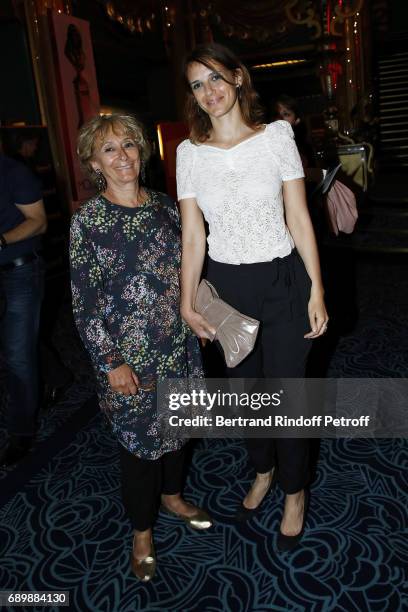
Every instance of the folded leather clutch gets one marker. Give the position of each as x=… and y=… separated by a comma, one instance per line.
x=235, y=331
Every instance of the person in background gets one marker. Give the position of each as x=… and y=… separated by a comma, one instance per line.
x=25, y=147
x=318, y=181
x=338, y=272
x=246, y=178
x=286, y=108
x=22, y=221
x=125, y=257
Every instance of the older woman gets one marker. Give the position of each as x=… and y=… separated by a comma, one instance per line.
x=125, y=257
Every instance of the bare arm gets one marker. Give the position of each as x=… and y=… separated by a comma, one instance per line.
x=301, y=229
x=193, y=253
x=34, y=224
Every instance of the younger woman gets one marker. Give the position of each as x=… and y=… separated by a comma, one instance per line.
x=246, y=178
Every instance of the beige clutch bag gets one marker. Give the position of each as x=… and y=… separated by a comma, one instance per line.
x=235, y=332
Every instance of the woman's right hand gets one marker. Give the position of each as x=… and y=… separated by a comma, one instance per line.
x=123, y=380
x=198, y=324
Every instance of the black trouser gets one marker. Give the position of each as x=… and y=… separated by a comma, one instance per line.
x=276, y=293
x=143, y=480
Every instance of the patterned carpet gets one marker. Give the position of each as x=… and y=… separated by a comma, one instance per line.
x=62, y=524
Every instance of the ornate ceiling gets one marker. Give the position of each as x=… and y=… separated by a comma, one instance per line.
x=259, y=20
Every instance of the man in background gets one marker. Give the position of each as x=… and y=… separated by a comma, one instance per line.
x=22, y=221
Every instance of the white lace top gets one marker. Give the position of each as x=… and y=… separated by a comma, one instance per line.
x=239, y=191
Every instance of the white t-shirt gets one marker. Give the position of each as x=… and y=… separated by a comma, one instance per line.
x=239, y=191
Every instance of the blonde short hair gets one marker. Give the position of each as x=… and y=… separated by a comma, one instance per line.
x=96, y=129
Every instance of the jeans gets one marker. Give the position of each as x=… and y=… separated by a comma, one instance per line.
x=21, y=291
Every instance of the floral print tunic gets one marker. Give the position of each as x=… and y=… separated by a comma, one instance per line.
x=125, y=289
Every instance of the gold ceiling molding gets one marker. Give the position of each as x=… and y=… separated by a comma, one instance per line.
x=304, y=12
x=141, y=16
x=262, y=20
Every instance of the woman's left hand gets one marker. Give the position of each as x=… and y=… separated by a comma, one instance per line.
x=317, y=316
x=123, y=380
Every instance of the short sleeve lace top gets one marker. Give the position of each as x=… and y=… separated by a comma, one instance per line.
x=239, y=191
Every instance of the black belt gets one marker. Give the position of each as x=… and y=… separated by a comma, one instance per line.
x=19, y=261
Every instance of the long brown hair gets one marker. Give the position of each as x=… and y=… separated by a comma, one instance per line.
x=251, y=109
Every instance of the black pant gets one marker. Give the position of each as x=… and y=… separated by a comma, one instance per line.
x=276, y=293
x=143, y=481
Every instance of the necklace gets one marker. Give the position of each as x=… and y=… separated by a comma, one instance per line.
x=142, y=198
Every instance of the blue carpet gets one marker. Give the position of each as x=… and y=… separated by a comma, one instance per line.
x=63, y=526
x=66, y=531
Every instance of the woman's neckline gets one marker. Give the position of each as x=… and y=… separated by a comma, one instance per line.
x=252, y=137
x=128, y=208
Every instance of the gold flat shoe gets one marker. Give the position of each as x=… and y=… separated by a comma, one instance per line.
x=200, y=520
x=144, y=569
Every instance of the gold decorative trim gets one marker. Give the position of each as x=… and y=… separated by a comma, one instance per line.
x=342, y=14
x=305, y=14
